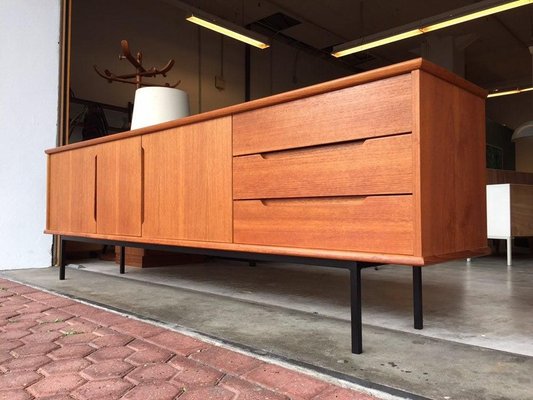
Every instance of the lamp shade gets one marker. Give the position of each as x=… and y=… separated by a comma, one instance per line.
x=154, y=105
x=523, y=131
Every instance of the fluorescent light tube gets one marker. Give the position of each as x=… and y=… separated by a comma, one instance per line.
x=475, y=15
x=508, y=92
x=439, y=22
x=377, y=43
x=231, y=30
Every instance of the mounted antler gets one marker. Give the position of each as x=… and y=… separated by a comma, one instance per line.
x=141, y=72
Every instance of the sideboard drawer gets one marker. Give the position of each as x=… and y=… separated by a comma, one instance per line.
x=373, y=109
x=371, y=166
x=379, y=224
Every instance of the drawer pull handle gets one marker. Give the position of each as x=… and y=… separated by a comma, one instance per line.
x=142, y=185
x=95, y=209
x=311, y=150
x=351, y=200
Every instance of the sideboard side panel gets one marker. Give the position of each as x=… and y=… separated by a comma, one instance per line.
x=451, y=182
x=58, y=192
x=521, y=210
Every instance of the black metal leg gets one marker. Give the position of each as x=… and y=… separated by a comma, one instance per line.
x=62, y=260
x=357, y=330
x=122, y=259
x=417, y=298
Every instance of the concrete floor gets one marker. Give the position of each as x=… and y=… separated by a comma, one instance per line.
x=477, y=342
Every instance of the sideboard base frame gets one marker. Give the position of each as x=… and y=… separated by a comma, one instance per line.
x=355, y=269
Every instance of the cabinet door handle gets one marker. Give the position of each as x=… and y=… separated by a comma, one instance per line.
x=95, y=187
x=142, y=185
x=298, y=202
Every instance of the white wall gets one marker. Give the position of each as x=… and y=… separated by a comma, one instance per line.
x=29, y=35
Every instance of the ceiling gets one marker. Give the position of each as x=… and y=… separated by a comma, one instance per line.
x=496, y=55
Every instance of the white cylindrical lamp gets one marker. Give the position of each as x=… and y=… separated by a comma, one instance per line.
x=154, y=105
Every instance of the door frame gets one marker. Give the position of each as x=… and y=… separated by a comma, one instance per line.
x=63, y=109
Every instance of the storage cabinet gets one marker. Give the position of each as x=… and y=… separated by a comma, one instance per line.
x=383, y=167
x=387, y=166
x=509, y=213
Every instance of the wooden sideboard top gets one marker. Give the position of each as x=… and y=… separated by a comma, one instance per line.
x=353, y=80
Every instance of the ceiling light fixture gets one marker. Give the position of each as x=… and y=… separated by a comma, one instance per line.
x=458, y=16
x=508, y=92
x=229, y=29
x=523, y=131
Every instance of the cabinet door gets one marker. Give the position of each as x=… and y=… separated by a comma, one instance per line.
x=71, y=191
x=119, y=190
x=187, y=182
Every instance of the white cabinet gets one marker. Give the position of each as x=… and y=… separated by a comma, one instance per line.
x=509, y=213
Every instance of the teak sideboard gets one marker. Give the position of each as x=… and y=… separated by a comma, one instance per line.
x=383, y=167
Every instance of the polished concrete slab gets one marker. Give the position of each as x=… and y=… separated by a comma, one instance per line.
x=477, y=342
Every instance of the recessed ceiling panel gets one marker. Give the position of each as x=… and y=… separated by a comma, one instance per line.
x=313, y=36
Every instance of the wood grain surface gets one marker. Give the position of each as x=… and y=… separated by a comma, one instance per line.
x=522, y=210
x=450, y=160
x=372, y=166
x=58, y=192
x=119, y=187
x=342, y=115
x=381, y=224
x=203, y=247
x=187, y=187
x=72, y=187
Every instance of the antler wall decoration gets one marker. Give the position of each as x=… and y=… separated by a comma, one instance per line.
x=141, y=72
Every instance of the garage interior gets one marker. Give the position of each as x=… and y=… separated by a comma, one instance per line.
x=477, y=341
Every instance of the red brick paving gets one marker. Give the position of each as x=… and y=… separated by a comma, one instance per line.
x=152, y=372
x=250, y=391
x=70, y=351
x=107, y=369
x=145, y=391
x=288, y=382
x=111, y=340
x=54, y=384
x=228, y=360
x=205, y=393
x=62, y=366
x=194, y=373
x=58, y=349
x=30, y=349
x=15, y=395
x=25, y=363
x=42, y=337
x=181, y=344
